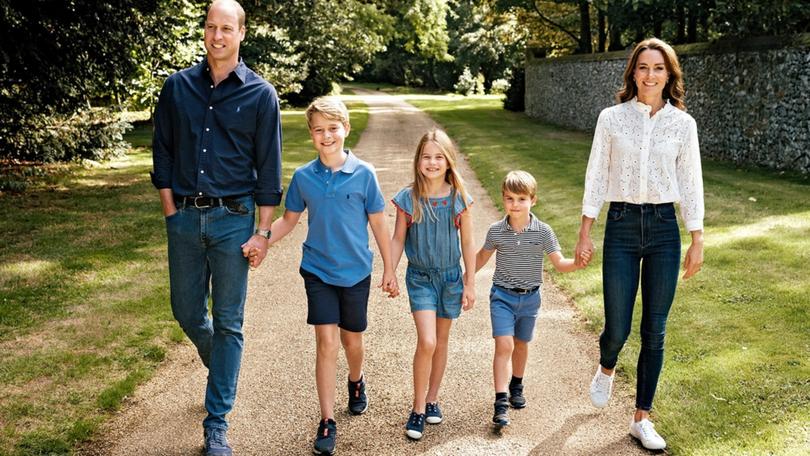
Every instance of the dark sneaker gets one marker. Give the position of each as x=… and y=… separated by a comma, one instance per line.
x=516, y=398
x=501, y=416
x=433, y=414
x=325, y=439
x=415, y=426
x=358, y=401
x=216, y=443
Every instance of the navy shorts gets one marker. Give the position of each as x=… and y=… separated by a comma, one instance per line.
x=330, y=304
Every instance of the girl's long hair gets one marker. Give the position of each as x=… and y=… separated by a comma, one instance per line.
x=673, y=91
x=419, y=187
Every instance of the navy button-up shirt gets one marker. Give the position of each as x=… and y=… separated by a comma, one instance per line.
x=218, y=141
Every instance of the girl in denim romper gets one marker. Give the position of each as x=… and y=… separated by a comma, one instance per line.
x=431, y=218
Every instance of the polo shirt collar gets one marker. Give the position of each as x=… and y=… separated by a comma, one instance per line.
x=349, y=166
x=534, y=224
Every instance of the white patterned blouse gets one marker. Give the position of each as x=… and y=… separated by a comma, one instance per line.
x=640, y=159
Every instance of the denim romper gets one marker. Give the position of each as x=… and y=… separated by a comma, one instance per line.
x=433, y=278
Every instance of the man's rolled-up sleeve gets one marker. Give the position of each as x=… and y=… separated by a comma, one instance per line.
x=268, y=151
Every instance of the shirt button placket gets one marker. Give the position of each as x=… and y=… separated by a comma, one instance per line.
x=643, y=160
x=207, y=141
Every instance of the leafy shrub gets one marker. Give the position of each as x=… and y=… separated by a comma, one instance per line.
x=94, y=134
x=499, y=86
x=466, y=83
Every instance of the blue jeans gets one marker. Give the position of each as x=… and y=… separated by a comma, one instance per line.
x=205, y=248
x=640, y=240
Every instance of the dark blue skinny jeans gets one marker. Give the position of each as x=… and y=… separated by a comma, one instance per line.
x=205, y=258
x=641, y=241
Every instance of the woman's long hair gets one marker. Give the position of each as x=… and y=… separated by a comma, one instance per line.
x=673, y=90
x=419, y=192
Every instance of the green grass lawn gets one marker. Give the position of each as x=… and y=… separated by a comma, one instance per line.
x=737, y=370
x=84, y=310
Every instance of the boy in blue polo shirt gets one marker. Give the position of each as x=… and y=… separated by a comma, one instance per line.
x=342, y=196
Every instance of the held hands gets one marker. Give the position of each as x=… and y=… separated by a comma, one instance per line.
x=583, y=252
x=389, y=284
x=468, y=298
x=255, y=249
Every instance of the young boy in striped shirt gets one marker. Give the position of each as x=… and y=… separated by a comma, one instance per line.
x=521, y=240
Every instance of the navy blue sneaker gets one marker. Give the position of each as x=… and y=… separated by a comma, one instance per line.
x=415, y=426
x=216, y=443
x=358, y=401
x=433, y=414
x=501, y=416
x=325, y=439
x=516, y=398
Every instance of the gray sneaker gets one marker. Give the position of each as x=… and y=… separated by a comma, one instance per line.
x=216, y=443
x=516, y=398
x=501, y=416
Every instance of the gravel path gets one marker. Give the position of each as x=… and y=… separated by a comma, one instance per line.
x=277, y=410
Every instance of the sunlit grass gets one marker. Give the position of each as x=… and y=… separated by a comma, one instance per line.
x=84, y=311
x=737, y=376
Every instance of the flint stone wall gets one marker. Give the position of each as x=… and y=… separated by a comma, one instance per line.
x=750, y=98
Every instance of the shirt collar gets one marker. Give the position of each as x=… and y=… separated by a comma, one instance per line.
x=645, y=108
x=534, y=223
x=240, y=70
x=349, y=166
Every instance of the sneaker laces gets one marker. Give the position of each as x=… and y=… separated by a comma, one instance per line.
x=647, y=429
x=217, y=436
x=325, y=426
x=603, y=382
x=416, y=418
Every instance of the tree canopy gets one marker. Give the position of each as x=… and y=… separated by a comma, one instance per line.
x=68, y=66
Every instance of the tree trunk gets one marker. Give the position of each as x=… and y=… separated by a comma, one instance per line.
x=602, y=33
x=615, y=13
x=585, y=27
x=691, y=26
x=680, y=21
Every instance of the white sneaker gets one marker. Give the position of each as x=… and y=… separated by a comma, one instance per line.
x=601, y=388
x=644, y=430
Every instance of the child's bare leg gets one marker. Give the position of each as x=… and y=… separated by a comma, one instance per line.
x=504, y=345
x=425, y=321
x=327, y=345
x=519, y=358
x=355, y=353
x=439, y=362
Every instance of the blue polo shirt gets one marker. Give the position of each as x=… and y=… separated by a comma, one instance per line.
x=336, y=249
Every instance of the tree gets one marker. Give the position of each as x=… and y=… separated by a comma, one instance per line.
x=303, y=46
x=170, y=39
x=55, y=59
x=559, y=16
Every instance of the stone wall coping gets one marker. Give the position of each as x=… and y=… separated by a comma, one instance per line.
x=727, y=45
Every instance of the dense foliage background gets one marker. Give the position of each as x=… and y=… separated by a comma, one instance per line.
x=68, y=68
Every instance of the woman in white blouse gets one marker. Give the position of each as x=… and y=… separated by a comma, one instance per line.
x=644, y=158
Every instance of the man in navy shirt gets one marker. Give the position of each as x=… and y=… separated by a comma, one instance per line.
x=217, y=155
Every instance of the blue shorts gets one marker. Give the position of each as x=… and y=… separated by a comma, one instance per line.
x=330, y=304
x=513, y=313
x=439, y=290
